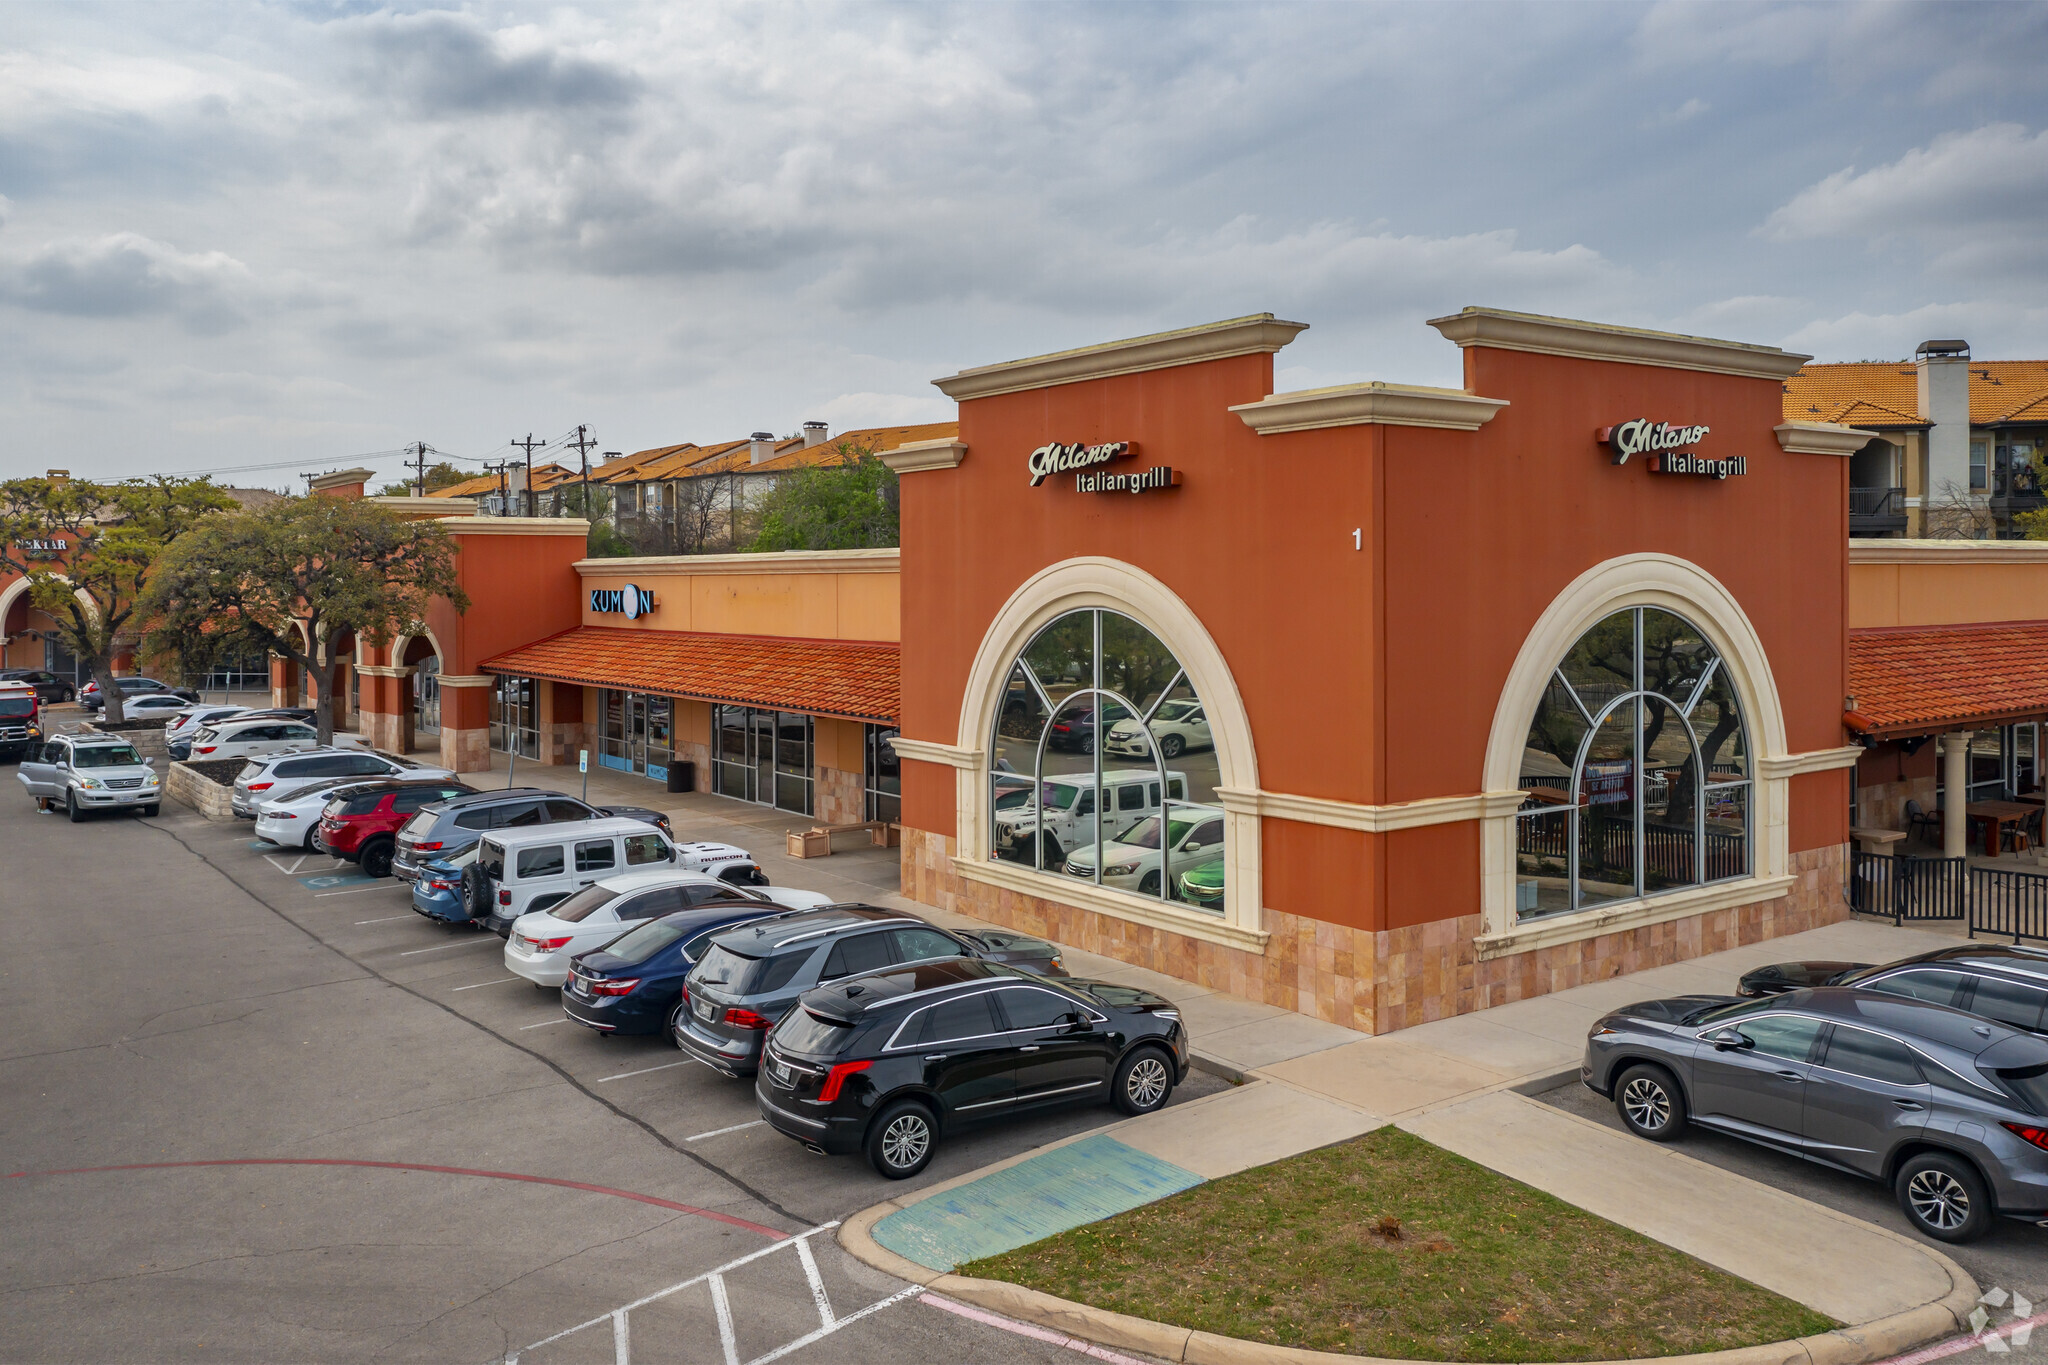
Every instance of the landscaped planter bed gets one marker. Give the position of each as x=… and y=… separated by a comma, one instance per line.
x=206, y=786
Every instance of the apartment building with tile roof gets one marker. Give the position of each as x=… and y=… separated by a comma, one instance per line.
x=1953, y=440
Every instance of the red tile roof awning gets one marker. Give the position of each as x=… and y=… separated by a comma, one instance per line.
x=1920, y=679
x=850, y=679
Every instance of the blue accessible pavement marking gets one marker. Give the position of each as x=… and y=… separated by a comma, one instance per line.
x=1083, y=1182
x=263, y=846
x=331, y=880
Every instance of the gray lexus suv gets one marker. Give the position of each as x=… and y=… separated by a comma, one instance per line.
x=1949, y=1109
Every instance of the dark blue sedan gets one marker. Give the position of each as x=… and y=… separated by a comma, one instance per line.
x=634, y=984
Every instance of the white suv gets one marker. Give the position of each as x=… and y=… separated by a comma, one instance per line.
x=1063, y=816
x=251, y=738
x=275, y=776
x=89, y=772
x=1130, y=861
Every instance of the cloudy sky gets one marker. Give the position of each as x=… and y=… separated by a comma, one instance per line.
x=281, y=235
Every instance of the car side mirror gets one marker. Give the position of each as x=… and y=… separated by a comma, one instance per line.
x=1728, y=1040
x=1074, y=1022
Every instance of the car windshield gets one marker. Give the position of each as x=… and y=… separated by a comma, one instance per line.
x=418, y=826
x=1173, y=710
x=724, y=967
x=105, y=756
x=812, y=1035
x=1058, y=795
x=1145, y=834
x=579, y=906
x=14, y=708
x=643, y=941
x=1727, y=1014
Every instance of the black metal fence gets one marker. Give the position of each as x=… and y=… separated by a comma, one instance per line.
x=2006, y=902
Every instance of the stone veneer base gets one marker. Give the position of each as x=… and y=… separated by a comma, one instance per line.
x=1378, y=981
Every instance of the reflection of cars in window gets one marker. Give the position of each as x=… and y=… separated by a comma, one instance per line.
x=1073, y=729
x=1203, y=886
x=1177, y=725
x=1131, y=860
x=1064, y=814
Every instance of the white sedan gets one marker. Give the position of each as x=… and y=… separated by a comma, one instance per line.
x=542, y=941
x=250, y=738
x=293, y=820
x=153, y=706
x=1130, y=862
x=1178, y=725
x=194, y=718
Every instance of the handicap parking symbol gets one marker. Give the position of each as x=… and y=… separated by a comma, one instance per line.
x=331, y=880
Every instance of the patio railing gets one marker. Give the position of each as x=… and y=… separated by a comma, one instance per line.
x=2007, y=902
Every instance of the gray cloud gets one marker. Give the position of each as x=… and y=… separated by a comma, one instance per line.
x=125, y=275
x=450, y=64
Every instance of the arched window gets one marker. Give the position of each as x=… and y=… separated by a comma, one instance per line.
x=1102, y=765
x=1636, y=771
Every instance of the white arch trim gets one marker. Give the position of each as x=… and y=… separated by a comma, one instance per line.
x=19, y=588
x=1072, y=585
x=1640, y=580
x=404, y=642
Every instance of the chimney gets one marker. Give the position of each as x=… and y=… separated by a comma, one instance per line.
x=814, y=434
x=761, y=447
x=1943, y=384
x=59, y=476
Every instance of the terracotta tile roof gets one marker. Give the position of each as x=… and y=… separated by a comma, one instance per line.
x=851, y=679
x=792, y=455
x=626, y=468
x=544, y=477
x=1919, y=678
x=2000, y=391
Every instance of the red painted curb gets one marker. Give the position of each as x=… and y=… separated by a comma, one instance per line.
x=767, y=1232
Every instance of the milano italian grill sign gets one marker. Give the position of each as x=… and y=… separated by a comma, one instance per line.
x=1665, y=449
x=1079, y=459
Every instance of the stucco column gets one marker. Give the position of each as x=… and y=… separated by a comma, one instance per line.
x=466, y=722
x=1955, y=793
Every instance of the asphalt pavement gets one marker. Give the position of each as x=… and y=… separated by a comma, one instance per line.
x=254, y=1108
x=2009, y=1257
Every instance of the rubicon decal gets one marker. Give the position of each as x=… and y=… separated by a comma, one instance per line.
x=1058, y=459
x=628, y=601
x=1643, y=437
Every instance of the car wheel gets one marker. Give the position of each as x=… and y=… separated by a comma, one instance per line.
x=1148, y=885
x=149, y=811
x=1943, y=1197
x=1650, y=1103
x=71, y=810
x=1088, y=744
x=901, y=1140
x=376, y=858
x=1144, y=1081
x=1055, y=857
x=1171, y=745
x=675, y=1021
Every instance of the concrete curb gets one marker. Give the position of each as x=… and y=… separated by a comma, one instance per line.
x=1857, y=1345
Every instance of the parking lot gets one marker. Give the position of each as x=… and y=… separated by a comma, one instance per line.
x=256, y=1108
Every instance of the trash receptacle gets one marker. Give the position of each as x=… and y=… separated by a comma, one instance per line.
x=682, y=777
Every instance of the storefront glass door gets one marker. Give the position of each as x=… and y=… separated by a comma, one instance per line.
x=515, y=717
x=426, y=696
x=637, y=733
x=763, y=757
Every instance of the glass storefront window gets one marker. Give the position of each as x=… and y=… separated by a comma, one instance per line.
x=1102, y=764
x=635, y=732
x=1635, y=774
x=763, y=757
x=515, y=717
x=426, y=696
x=882, y=775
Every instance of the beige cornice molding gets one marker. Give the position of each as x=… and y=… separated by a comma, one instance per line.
x=1822, y=438
x=943, y=453
x=946, y=755
x=1123, y=905
x=1812, y=761
x=1261, y=333
x=1394, y=405
x=1948, y=551
x=1316, y=810
x=1630, y=914
x=386, y=670
x=469, y=679
x=888, y=560
x=517, y=526
x=340, y=478
x=1507, y=331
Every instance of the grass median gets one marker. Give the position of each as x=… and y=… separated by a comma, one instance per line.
x=1389, y=1246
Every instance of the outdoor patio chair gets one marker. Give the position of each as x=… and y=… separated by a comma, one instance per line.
x=1917, y=819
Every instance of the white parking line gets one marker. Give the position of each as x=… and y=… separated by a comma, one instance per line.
x=644, y=1071
x=353, y=891
x=481, y=984
x=545, y=1023
x=721, y=1132
x=442, y=948
x=386, y=920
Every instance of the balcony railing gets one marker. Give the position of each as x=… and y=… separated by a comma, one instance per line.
x=1877, y=511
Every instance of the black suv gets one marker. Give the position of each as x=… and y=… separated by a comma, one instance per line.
x=449, y=827
x=885, y=1063
x=750, y=977
x=2005, y=982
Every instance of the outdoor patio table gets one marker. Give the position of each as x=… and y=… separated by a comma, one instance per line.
x=1994, y=816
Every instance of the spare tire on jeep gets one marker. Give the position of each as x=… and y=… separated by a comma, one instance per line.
x=476, y=893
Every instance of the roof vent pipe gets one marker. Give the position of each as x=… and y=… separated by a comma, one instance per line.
x=761, y=447
x=814, y=434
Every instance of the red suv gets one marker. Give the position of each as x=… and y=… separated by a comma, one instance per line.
x=361, y=823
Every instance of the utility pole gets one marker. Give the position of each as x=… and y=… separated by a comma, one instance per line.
x=499, y=469
x=583, y=442
x=309, y=482
x=527, y=445
x=420, y=468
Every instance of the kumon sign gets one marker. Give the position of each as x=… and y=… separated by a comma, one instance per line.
x=628, y=601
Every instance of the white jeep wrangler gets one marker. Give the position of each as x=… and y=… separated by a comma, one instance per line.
x=1063, y=816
